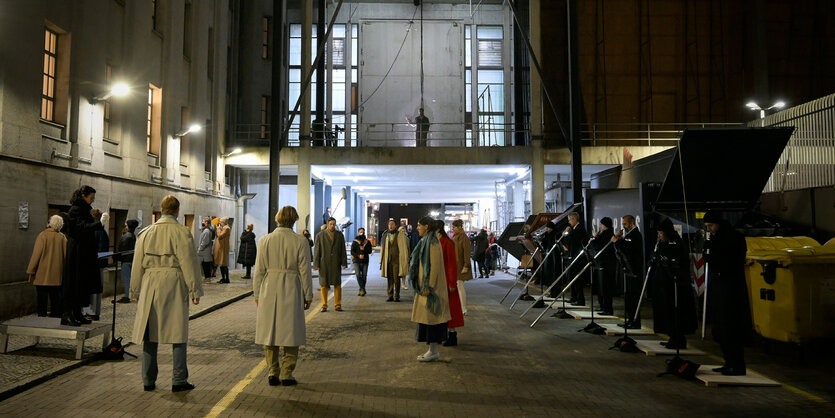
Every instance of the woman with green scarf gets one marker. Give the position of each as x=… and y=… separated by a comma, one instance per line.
x=426, y=276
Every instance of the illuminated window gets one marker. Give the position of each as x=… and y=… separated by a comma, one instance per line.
x=265, y=38
x=154, y=120
x=108, y=79
x=50, y=58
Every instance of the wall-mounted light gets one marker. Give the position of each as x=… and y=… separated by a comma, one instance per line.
x=233, y=152
x=434, y=213
x=193, y=128
x=118, y=90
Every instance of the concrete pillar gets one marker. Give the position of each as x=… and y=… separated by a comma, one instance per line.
x=537, y=178
x=307, y=39
x=328, y=197
x=536, y=82
x=303, y=194
x=349, y=232
x=318, y=206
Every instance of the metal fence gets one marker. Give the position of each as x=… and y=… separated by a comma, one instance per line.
x=488, y=134
x=809, y=158
x=640, y=133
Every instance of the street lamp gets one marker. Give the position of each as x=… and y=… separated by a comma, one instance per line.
x=756, y=107
x=118, y=90
x=193, y=128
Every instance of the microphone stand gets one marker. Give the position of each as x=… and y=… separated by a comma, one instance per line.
x=515, y=282
x=707, y=278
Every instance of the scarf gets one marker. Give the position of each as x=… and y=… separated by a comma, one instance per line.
x=420, y=256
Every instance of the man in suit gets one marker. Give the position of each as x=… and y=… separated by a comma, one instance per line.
x=575, y=236
x=329, y=254
x=630, y=244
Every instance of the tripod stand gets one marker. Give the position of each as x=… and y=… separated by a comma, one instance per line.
x=524, y=269
x=586, y=253
x=565, y=271
x=115, y=346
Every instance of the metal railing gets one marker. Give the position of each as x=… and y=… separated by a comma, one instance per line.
x=660, y=133
x=809, y=158
x=387, y=135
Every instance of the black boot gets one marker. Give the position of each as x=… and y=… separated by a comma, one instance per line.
x=452, y=339
x=79, y=317
x=67, y=319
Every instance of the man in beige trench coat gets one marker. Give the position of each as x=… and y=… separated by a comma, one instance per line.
x=164, y=277
x=282, y=285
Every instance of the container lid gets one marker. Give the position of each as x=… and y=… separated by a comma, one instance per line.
x=789, y=250
x=724, y=168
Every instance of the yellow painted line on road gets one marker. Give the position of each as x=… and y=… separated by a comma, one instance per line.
x=230, y=396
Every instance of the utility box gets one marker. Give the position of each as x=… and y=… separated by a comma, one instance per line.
x=791, y=283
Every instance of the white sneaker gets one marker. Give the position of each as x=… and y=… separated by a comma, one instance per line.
x=465, y=312
x=427, y=357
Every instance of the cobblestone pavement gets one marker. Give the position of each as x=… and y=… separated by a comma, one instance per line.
x=361, y=362
x=26, y=361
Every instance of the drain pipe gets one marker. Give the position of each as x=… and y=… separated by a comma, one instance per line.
x=239, y=214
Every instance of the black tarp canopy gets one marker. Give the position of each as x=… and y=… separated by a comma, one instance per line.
x=723, y=168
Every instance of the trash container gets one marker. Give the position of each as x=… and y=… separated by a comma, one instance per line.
x=791, y=281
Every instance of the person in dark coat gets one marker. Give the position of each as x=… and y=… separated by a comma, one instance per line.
x=103, y=244
x=607, y=265
x=575, y=237
x=127, y=243
x=81, y=272
x=480, y=253
x=727, y=292
x=247, y=251
x=361, y=250
x=306, y=234
x=630, y=244
x=670, y=285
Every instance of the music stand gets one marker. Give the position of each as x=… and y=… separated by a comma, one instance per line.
x=625, y=344
x=117, y=257
x=593, y=327
x=561, y=313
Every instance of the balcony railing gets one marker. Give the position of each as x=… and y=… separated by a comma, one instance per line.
x=387, y=135
x=643, y=133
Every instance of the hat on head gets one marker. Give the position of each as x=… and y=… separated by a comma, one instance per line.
x=712, y=217
x=551, y=225
x=606, y=221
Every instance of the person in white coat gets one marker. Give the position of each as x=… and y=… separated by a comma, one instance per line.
x=282, y=285
x=165, y=275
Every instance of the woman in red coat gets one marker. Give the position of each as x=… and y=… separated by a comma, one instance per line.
x=451, y=273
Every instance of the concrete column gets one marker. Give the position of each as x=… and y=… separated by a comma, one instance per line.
x=307, y=39
x=303, y=193
x=318, y=206
x=537, y=178
x=349, y=206
x=536, y=82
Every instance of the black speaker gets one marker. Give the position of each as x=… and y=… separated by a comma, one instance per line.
x=417, y=2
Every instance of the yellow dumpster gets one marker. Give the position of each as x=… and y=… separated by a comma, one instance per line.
x=792, y=288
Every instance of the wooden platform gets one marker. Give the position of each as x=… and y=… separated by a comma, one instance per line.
x=714, y=379
x=654, y=348
x=586, y=314
x=44, y=327
x=614, y=329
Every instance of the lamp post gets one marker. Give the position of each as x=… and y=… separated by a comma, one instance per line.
x=756, y=107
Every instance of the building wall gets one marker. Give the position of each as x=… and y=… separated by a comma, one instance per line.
x=43, y=161
x=686, y=61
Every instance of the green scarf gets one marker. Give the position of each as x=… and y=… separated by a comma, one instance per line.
x=420, y=256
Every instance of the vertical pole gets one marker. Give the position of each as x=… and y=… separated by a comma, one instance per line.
x=574, y=105
x=320, y=68
x=306, y=68
x=279, y=69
